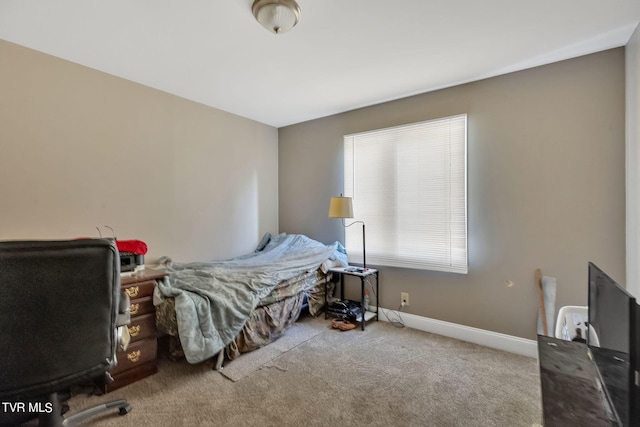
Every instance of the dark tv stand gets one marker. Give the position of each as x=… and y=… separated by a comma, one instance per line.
x=568, y=379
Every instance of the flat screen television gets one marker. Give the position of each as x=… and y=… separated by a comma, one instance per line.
x=613, y=342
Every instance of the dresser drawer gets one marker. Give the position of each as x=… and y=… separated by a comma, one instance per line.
x=137, y=354
x=139, y=289
x=142, y=327
x=131, y=375
x=140, y=306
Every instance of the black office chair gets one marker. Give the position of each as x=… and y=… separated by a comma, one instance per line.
x=59, y=313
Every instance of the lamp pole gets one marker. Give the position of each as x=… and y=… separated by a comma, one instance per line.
x=364, y=254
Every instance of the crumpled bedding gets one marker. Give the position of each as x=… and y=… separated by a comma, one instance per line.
x=213, y=300
x=267, y=322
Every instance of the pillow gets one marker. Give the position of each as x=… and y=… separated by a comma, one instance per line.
x=264, y=242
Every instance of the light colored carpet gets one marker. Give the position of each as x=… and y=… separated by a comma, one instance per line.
x=383, y=376
x=300, y=332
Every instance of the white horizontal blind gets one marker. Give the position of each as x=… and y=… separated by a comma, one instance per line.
x=409, y=186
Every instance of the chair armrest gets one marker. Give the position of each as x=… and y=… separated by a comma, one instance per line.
x=124, y=318
x=124, y=310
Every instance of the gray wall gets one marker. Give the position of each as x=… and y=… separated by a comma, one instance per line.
x=546, y=188
x=80, y=148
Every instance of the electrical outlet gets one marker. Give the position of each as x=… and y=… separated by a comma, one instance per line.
x=404, y=298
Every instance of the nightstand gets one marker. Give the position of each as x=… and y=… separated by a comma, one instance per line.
x=363, y=275
x=140, y=358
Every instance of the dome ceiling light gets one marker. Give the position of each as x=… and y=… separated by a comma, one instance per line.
x=277, y=16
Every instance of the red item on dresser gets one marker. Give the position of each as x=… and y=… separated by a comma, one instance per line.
x=136, y=246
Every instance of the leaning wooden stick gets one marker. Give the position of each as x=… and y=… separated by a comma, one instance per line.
x=543, y=313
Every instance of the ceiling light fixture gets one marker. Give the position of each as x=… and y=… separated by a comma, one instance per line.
x=277, y=16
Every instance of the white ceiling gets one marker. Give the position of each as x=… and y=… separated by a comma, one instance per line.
x=343, y=54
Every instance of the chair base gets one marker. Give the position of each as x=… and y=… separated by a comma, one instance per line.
x=55, y=417
x=122, y=405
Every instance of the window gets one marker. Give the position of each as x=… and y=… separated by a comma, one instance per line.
x=409, y=187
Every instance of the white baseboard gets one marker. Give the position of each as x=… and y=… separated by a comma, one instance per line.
x=495, y=340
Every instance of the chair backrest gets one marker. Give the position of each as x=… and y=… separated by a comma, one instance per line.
x=58, y=310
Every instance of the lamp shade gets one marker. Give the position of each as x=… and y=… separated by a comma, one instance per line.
x=277, y=16
x=341, y=207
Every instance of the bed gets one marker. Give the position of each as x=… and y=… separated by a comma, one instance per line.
x=226, y=308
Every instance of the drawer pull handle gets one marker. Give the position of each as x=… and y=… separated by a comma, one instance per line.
x=134, y=356
x=134, y=330
x=134, y=309
x=133, y=291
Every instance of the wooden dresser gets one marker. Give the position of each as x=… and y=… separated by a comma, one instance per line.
x=140, y=358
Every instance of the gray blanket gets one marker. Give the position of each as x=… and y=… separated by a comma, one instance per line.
x=213, y=300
